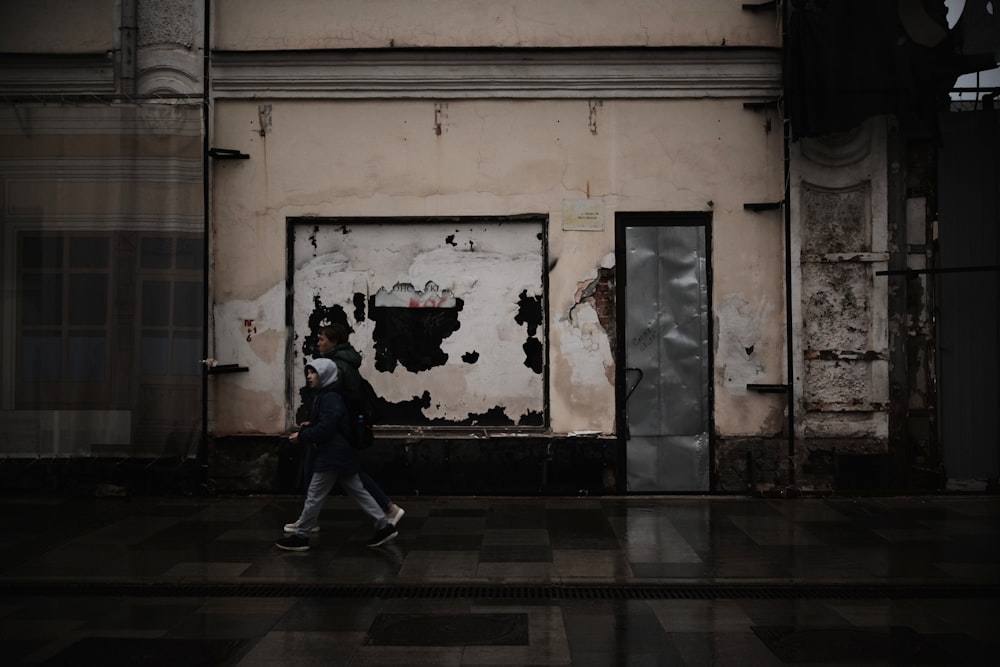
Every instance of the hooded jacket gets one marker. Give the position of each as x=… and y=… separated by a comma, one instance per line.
x=325, y=437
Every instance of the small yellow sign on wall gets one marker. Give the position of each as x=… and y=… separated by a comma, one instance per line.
x=583, y=215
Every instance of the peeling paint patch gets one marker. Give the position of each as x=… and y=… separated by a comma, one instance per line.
x=600, y=292
x=740, y=326
x=533, y=355
x=319, y=317
x=230, y=343
x=304, y=406
x=495, y=416
x=411, y=325
x=360, y=306
x=529, y=314
x=404, y=295
x=585, y=341
x=531, y=418
x=593, y=314
x=412, y=412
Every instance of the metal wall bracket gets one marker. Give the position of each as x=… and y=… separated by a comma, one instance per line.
x=757, y=207
x=939, y=269
x=763, y=104
x=227, y=154
x=768, y=388
x=760, y=7
x=227, y=368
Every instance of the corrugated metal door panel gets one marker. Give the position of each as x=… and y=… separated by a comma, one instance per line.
x=666, y=338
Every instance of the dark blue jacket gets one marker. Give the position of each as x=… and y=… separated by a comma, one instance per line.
x=325, y=439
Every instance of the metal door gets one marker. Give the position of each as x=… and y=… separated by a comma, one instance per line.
x=666, y=394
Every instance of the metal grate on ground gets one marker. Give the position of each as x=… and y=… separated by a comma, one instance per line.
x=694, y=591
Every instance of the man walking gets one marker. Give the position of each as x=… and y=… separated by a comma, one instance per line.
x=334, y=345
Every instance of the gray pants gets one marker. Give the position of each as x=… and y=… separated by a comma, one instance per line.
x=320, y=486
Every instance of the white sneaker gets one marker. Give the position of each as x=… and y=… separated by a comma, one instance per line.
x=395, y=516
x=292, y=527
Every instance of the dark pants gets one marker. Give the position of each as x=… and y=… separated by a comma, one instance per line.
x=375, y=491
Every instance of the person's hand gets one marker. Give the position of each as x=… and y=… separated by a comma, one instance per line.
x=293, y=436
x=303, y=424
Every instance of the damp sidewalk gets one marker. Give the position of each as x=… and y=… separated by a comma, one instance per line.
x=636, y=580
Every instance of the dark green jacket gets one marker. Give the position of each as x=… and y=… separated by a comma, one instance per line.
x=348, y=362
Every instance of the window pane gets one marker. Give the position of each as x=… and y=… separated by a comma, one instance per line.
x=86, y=252
x=187, y=304
x=156, y=253
x=41, y=357
x=186, y=353
x=155, y=303
x=155, y=353
x=41, y=252
x=189, y=254
x=87, y=358
x=88, y=299
x=41, y=300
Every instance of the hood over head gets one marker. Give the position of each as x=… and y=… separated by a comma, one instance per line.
x=325, y=369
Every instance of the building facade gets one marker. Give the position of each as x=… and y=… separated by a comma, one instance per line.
x=579, y=252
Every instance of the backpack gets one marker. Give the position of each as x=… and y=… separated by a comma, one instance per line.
x=362, y=409
x=361, y=399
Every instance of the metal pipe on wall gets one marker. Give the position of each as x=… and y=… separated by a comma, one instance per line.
x=206, y=198
x=789, y=329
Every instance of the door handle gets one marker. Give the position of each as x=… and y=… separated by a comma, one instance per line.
x=632, y=370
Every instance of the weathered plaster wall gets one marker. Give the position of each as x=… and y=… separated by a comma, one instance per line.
x=497, y=158
x=839, y=208
x=360, y=24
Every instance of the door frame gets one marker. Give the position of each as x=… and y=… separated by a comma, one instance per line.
x=624, y=219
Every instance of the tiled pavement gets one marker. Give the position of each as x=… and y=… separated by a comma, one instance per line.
x=675, y=580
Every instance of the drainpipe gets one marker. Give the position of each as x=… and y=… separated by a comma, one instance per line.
x=203, y=478
x=789, y=329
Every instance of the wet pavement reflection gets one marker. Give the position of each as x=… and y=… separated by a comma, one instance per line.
x=666, y=580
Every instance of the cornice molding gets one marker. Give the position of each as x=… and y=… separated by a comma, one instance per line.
x=499, y=73
x=426, y=74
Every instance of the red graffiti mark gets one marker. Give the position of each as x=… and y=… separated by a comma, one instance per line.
x=403, y=295
x=432, y=302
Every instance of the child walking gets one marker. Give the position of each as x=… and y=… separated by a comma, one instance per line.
x=332, y=459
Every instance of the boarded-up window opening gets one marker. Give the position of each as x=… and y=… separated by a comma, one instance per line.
x=448, y=314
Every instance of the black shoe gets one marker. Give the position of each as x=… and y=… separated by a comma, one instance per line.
x=293, y=543
x=382, y=535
